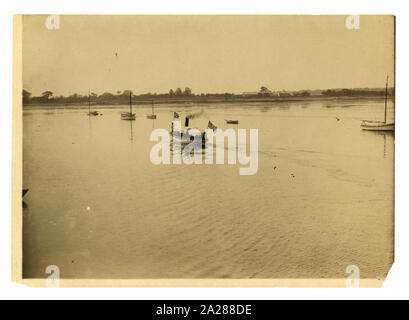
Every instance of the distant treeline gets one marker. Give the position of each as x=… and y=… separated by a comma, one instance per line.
x=356, y=92
x=179, y=95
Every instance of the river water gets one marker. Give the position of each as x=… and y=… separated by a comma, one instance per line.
x=322, y=198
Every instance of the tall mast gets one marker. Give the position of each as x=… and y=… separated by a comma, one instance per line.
x=130, y=102
x=89, y=103
x=152, y=106
x=386, y=97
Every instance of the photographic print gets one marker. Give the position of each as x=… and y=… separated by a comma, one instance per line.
x=203, y=150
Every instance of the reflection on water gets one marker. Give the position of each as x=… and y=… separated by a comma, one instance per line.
x=388, y=138
x=322, y=198
x=130, y=124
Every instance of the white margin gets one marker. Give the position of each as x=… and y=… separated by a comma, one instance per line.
x=397, y=282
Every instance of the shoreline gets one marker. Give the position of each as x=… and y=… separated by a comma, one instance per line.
x=203, y=101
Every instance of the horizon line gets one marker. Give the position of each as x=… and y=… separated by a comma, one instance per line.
x=220, y=92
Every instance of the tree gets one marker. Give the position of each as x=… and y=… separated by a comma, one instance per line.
x=47, y=94
x=178, y=92
x=264, y=91
x=107, y=95
x=346, y=92
x=127, y=93
x=187, y=92
x=26, y=95
x=171, y=93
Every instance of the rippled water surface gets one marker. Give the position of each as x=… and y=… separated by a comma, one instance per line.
x=322, y=198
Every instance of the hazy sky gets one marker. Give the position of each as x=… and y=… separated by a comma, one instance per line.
x=205, y=53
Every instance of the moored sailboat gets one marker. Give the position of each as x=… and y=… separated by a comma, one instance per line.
x=128, y=115
x=370, y=125
x=153, y=115
x=91, y=113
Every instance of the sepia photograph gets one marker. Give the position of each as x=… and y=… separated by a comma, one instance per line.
x=212, y=150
